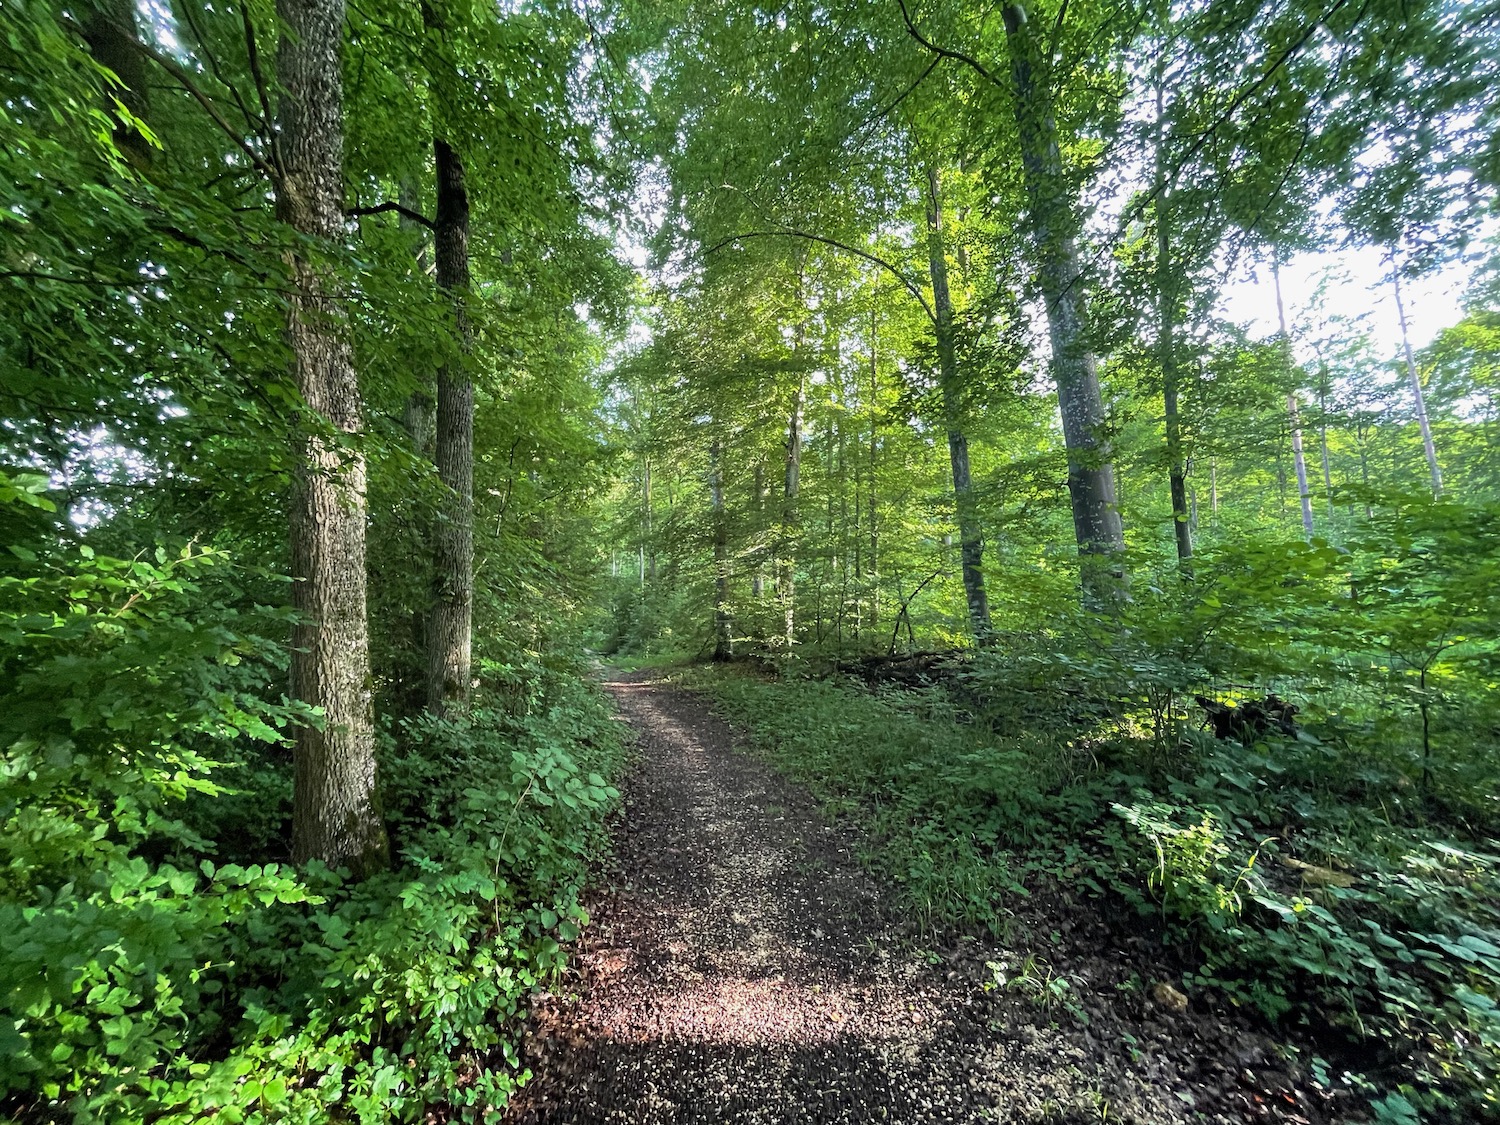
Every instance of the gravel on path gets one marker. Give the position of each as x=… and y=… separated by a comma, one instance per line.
x=742, y=967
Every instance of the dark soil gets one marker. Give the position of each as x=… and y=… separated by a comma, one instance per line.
x=743, y=967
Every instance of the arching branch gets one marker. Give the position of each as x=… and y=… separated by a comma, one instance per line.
x=906, y=282
x=947, y=53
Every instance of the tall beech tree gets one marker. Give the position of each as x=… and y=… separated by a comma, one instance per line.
x=450, y=620
x=971, y=540
x=337, y=816
x=1054, y=219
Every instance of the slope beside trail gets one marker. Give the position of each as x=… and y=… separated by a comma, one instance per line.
x=743, y=967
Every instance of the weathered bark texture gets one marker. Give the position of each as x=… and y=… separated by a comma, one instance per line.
x=336, y=814
x=723, y=622
x=450, y=621
x=1433, y=469
x=1091, y=476
x=970, y=536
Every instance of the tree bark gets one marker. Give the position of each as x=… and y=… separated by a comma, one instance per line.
x=336, y=814
x=450, y=617
x=970, y=536
x=1091, y=477
x=723, y=622
x=1433, y=469
x=450, y=621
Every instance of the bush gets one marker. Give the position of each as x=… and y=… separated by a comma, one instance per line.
x=143, y=976
x=1309, y=877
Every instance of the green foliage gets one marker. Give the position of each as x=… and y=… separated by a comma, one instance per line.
x=142, y=974
x=1345, y=876
x=259, y=993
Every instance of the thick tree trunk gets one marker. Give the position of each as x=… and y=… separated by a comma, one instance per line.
x=336, y=814
x=1434, y=471
x=1091, y=477
x=970, y=537
x=450, y=621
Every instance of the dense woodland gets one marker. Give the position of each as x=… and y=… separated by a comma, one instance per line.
x=368, y=370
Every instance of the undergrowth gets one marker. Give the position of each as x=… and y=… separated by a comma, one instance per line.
x=155, y=967
x=1309, y=878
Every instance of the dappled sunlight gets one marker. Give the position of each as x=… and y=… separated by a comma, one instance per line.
x=744, y=1011
x=741, y=969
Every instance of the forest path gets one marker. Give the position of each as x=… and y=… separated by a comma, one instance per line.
x=742, y=967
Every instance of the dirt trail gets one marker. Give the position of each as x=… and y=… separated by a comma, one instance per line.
x=742, y=967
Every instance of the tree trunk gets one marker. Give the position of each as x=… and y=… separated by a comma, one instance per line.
x=971, y=540
x=873, y=509
x=757, y=577
x=1166, y=308
x=450, y=621
x=723, y=623
x=786, y=583
x=1091, y=477
x=1299, y=458
x=1433, y=469
x=1364, y=467
x=336, y=813
x=1323, y=437
x=417, y=412
x=646, y=521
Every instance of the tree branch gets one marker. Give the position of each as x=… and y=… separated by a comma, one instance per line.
x=253, y=53
x=910, y=286
x=888, y=110
x=943, y=52
x=218, y=72
x=391, y=205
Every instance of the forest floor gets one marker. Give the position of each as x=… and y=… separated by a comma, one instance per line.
x=742, y=966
